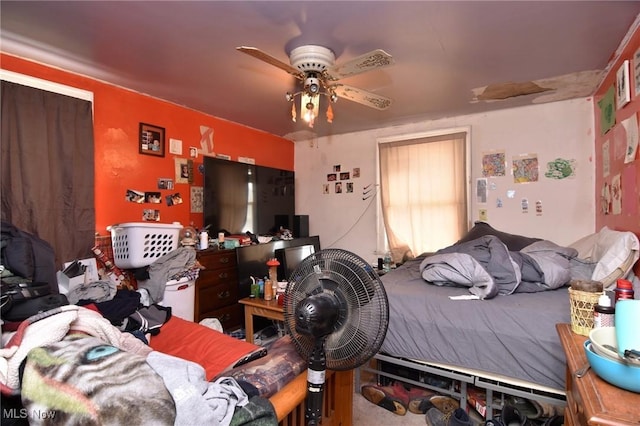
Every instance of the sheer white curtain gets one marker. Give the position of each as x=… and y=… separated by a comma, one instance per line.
x=423, y=192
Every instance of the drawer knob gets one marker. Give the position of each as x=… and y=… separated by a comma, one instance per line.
x=223, y=275
x=224, y=294
x=225, y=318
x=224, y=260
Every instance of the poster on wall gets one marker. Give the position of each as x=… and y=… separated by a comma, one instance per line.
x=616, y=195
x=561, y=168
x=494, y=164
x=481, y=190
x=606, y=159
x=630, y=126
x=525, y=168
x=206, y=140
x=197, y=197
x=636, y=72
x=607, y=115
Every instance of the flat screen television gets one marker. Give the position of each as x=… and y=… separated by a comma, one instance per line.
x=241, y=197
x=290, y=258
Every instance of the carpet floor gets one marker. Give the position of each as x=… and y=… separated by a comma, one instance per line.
x=366, y=413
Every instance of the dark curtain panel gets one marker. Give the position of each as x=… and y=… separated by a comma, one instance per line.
x=48, y=168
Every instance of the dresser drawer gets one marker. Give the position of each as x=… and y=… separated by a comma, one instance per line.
x=217, y=259
x=212, y=297
x=209, y=277
x=230, y=317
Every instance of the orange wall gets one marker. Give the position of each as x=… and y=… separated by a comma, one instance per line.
x=117, y=115
x=629, y=217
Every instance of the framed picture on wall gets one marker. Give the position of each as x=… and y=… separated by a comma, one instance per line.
x=623, y=90
x=151, y=140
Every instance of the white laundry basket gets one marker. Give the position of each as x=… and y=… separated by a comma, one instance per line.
x=138, y=244
x=180, y=295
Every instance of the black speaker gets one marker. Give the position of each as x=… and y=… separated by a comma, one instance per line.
x=301, y=226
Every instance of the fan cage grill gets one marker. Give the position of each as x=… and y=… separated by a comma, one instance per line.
x=364, y=314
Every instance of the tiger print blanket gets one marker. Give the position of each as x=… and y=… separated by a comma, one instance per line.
x=84, y=380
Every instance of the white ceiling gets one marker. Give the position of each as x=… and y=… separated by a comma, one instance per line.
x=445, y=52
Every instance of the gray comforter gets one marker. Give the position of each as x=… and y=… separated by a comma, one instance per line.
x=488, y=268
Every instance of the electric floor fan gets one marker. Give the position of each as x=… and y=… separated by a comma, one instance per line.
x=337, y=313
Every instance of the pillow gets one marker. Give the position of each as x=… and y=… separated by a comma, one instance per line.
x=271, y=373
x=512, y=241
x=614, y=253
x=214, y=351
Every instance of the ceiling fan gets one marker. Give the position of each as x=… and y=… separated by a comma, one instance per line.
x=319, y=75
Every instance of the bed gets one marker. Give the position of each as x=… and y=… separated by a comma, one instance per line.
x=500, y=340
x=77, y=366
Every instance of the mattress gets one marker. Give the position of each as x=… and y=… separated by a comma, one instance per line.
x=512, y=335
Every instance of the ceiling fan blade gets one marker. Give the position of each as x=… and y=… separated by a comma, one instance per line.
x=375, y=59
x=259, y=54
x=362, y=96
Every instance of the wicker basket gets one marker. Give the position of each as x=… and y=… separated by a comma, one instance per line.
x=582, y=303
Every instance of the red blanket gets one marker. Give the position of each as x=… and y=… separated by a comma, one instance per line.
x=213, y=350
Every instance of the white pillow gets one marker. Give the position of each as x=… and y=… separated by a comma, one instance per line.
x=614, y=251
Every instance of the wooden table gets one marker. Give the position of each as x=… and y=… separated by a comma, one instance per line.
x=255, y=307
x=591, y=400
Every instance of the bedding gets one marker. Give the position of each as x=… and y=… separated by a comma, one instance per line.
x=523, y=281
x=513, y=335
x=488, y=268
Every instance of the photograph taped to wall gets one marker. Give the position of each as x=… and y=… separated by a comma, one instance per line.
x=165, y=183
x=344, y=176
x=152, y=197
x=151, y=215
x=173, y=199
x=135, y=196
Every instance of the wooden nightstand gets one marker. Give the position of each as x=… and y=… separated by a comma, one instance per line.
x=591, y=400
x=259, y=308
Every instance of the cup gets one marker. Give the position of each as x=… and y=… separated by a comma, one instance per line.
x=627, y=322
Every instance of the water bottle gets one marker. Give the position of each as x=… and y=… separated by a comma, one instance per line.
x=387, y=262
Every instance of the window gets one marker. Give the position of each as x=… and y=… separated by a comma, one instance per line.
x=424, y=189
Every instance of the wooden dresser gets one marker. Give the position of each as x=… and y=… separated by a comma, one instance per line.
x=217, y=291
x=591, y=400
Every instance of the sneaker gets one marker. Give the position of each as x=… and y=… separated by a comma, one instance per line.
x=394, y=398
x=444, y=403
x=457, y=417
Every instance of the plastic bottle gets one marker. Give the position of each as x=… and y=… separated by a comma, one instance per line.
x=623, y=290
x=603, y=312
x=387, y=262
x=204, y=240
x=268, y=290
x=255, y=290
x=261, y=288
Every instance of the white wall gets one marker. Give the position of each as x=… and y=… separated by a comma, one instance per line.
x=554, y=130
